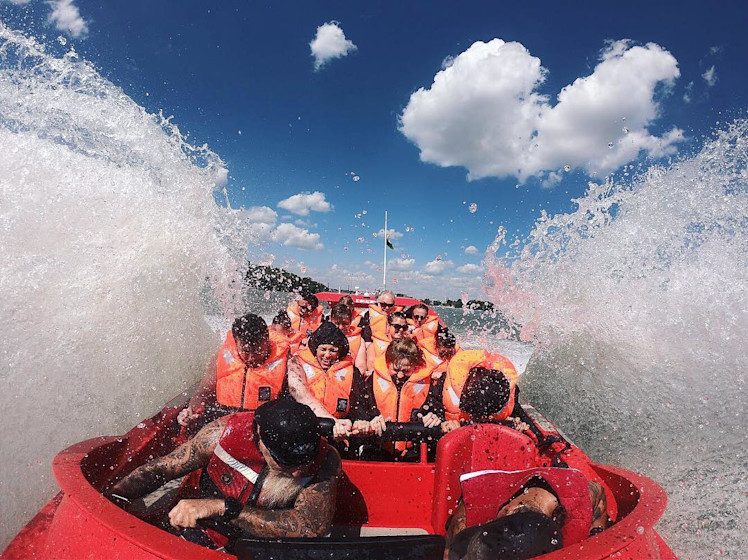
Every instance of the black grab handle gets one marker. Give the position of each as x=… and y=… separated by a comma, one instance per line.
x=396, y=431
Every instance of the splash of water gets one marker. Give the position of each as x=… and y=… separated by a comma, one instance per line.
x=112, y=243
x=637, y=302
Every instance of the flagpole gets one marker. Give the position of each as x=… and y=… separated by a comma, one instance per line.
x=384, y=273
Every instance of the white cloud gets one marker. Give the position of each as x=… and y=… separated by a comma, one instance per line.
x=329, y=43
x=305, y=202
x=291, y=236
x=261, y=215
x=470, y=269
x=710, y=76
x=401, y=264
x=391, y=234
x=66, y=17
x=471, y=250
x=688, y=93
x=483, y=112
x=437, y=267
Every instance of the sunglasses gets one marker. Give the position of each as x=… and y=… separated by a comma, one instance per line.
x=419, y=317
x=399, y=327
x=383, y=304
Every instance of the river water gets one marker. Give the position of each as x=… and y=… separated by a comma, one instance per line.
x=120, y=270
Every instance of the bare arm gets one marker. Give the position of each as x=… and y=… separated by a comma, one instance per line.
x=599, y=506
x=360, y=360
x=370, y=356
x=311, y=515
x=299, y=390
x=184, y=459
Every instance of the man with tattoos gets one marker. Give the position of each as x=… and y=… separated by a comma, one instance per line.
x=267, y=473
x=522, y=514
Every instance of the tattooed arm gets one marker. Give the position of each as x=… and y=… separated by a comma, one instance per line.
x=311, y=514
x=184, y=459
x=599, y=506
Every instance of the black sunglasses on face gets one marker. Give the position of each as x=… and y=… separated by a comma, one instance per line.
x=419, y=317
x=383, y=304
x=399, y=327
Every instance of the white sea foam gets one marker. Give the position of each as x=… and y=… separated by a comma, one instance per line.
x=111, y=245
x=637, y=303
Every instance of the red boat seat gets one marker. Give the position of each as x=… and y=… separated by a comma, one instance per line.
x=474, y=448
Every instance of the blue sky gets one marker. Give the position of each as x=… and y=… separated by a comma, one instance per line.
x=329, y=113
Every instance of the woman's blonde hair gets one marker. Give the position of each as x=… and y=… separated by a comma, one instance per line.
x=404, y=349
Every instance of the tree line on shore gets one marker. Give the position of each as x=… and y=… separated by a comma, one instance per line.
x=263, y=277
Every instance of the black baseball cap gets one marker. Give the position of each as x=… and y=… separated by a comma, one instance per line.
x=289, y=431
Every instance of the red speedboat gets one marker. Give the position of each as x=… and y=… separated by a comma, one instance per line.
x=384, y=509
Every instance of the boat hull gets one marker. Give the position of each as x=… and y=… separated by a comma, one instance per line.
x=80, y=523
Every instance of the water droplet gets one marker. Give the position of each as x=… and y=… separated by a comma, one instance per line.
x=625, y=130
x=62, y=40
x=640, y=530
x=610, y=145
x=356, y=178
x=567, y=167
x=473, y=208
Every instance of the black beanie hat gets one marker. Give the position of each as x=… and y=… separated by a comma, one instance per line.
x=289, y=431
x=327, y=333
x=514, y=537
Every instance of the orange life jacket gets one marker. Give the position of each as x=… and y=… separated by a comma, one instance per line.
x=353, y=335
x=378, y=320
x=438, y=365
x=304, y=325
x=331, y=388
x=457, y=374
x=240, y=386
x=399, y=405
x=427, y=331
x=380, y=344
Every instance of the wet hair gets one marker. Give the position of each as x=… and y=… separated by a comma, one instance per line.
x=347, y=300
x=327, y=333
x=404, y=349
x=419, y=306
x=398, y=315
x=519, y=536
x=341, y=312
x=445, y=339
x=289, y=431
x=387, y=293
x=251, y=329
x=310, y=298
x=283, y=320
x=485, y=393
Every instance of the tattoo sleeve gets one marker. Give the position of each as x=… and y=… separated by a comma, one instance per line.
x=311, y=514
x=184, y=459
x=599, y=505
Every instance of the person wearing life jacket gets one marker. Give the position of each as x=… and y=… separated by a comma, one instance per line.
x=523, y=514
x=460, y=368
x=249, y=369
x=397, y=327
x=356, y=314
x=444, y=349
x=341, y=316
x=400, y=390
x=324, y=377
x=424, y=327
x=306, y=317
x=374, y=321
x=267, y=473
